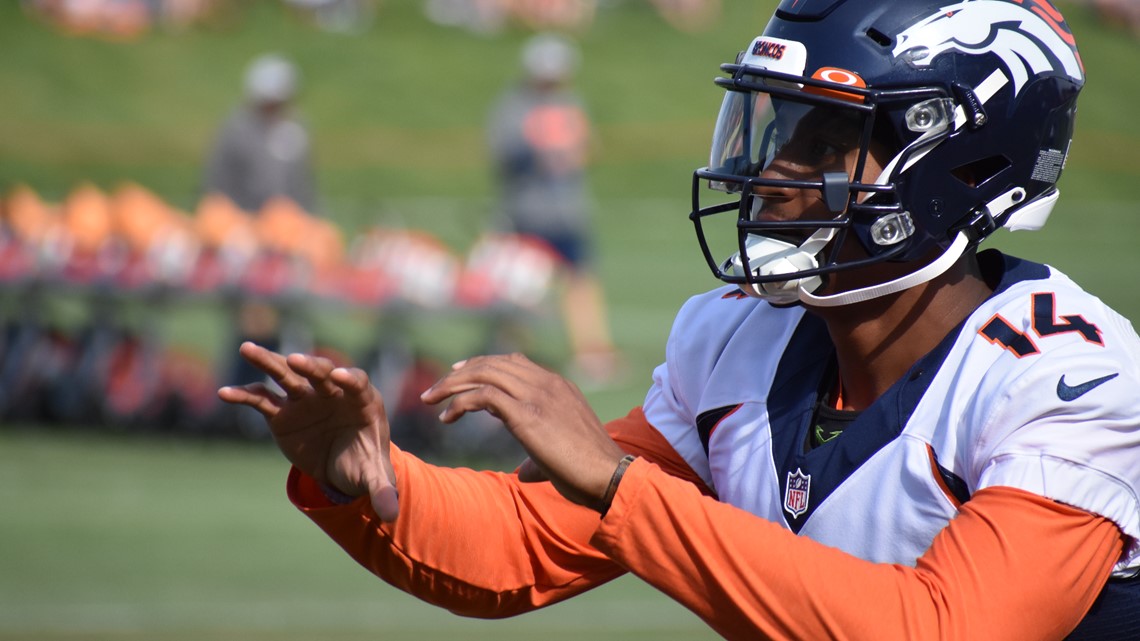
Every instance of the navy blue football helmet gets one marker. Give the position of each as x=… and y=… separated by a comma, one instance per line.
x=967, y=106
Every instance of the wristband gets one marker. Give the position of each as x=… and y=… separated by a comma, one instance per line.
x=336, y=496
x=603, y=506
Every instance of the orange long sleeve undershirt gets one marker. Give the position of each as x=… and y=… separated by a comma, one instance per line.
x=1012, y=565
x=523, y=546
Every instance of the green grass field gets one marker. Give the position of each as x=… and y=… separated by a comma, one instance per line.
x=116, y=539
x=108, y=537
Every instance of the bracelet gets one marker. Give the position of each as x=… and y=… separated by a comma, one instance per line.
x=603, y=506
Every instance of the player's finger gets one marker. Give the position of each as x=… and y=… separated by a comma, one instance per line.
x=440, y=391
x=507, y=373
x=276, y=367
x=316, y=370
x=484, y=397
x=354, y=383
x=255, y=395
x=516, y=363
x=352, y=380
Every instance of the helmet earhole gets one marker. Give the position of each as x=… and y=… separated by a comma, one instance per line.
x=977, y=172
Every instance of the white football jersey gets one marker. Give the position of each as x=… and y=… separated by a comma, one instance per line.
x=1037, y=390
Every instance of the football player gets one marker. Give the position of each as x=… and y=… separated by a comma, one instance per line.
x=873, y=431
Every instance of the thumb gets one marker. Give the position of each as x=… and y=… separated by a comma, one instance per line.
x=385, y=497
x=386, y=502
x=530, y=472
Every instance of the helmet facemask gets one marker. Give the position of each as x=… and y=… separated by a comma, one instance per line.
x=823, y=145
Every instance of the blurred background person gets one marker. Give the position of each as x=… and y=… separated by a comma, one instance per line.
x=338, y=16
x=261, y=163
x=263, y=151
x=540, y=137
x=1121, y=13
x=688, y=15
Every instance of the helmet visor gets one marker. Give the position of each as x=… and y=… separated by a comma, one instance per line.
x=742, y=138
x=753, y=129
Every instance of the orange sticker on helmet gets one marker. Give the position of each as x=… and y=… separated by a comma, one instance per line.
x=837, y=76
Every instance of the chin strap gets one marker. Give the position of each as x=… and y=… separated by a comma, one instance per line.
x=927, y=273
x=1031, y=216
x=778, y=257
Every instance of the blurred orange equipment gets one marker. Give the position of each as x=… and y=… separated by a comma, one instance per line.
x=140, y=218
x=281, y=226
x=28, y=216
x=87, y=218
x=219, y=223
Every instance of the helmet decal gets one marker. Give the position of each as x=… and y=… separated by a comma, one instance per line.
x=768, y=49
x=837, y=76
x=777, y=54
x=1025, y=34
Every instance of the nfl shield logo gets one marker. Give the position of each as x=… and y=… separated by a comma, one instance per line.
x=796, y=493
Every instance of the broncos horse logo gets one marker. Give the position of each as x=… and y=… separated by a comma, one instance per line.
x=1029, y=41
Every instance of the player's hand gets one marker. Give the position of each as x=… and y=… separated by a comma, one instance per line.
x=548, y=415
x=330, y=424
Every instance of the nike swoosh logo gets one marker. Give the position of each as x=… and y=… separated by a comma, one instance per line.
x=1073, y=392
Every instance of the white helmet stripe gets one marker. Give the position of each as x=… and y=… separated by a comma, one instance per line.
x=986, y=90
